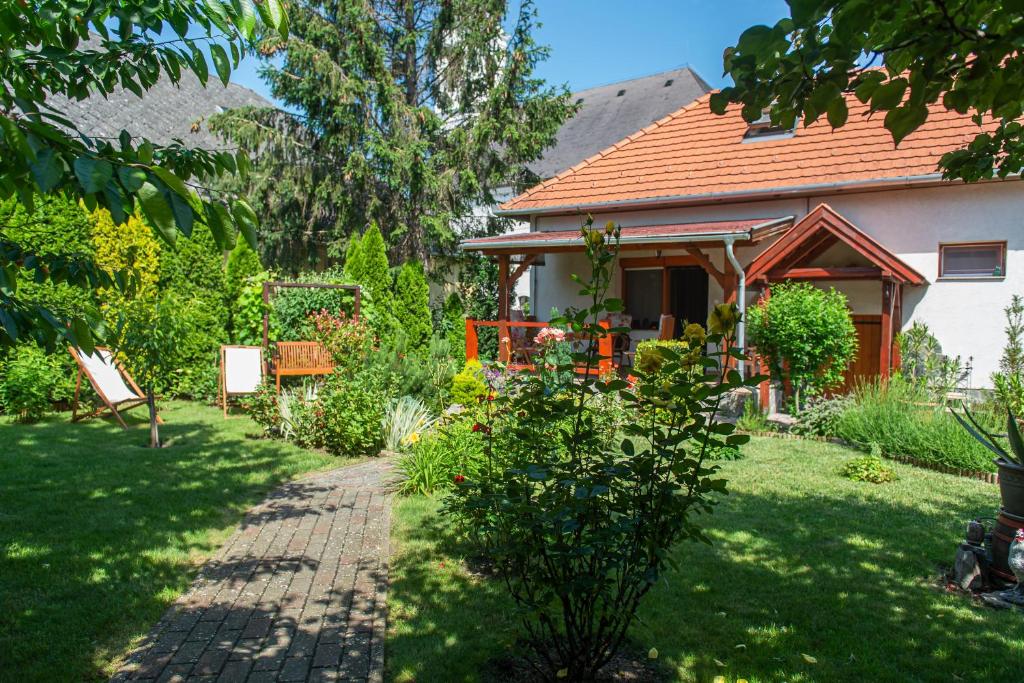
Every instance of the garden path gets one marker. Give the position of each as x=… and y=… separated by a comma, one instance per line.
x=296, y=594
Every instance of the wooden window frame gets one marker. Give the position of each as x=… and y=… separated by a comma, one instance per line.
x=1000, y=244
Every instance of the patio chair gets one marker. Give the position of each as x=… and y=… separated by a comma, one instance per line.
x=241, y=372
x=112, y=383
x=666, y=331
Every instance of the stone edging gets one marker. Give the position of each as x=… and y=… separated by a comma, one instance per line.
x=988, y=477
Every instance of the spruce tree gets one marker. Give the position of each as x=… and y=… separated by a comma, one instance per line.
x=405, y=113
x=412, y=305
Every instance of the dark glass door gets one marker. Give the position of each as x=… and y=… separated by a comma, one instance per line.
x=688, y=295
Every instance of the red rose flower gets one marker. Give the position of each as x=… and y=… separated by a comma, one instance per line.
x=459, y=479
x=477, y=426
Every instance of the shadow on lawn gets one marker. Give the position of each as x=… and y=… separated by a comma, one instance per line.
x=850, y=581
x=99, y=532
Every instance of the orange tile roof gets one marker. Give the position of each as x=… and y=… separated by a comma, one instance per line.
x=693, y=154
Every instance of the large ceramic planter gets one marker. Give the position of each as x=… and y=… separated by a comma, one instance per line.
x=1011, y=487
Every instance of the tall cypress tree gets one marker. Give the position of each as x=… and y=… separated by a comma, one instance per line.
x=354, y=260
x=412, y=305
x=407, y=113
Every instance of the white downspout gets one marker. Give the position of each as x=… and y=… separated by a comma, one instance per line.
x=741, y=302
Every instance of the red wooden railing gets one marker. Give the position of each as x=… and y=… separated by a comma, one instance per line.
x=507, y=351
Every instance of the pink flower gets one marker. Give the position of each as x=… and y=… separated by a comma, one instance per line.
x=550, y=334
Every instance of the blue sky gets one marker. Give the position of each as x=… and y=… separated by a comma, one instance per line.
x=601, y=41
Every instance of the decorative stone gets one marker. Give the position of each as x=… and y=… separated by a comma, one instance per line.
x=733, y=402
x=966, y=572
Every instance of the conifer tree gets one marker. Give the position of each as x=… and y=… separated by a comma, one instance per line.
x=374, y=271
x=404, y=112
x=354, y=260
x=412, y=305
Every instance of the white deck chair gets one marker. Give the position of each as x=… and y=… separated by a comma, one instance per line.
x=110, y=380
x=241, y=372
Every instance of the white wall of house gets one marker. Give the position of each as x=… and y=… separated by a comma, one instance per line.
x=965, y=315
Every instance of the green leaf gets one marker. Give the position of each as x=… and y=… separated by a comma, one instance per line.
x=158, y=212
x=274, y=16
x=889, y=95
x=902, y=121
x=47, y=170
x=92, y=173
x=837, y=112
x=221, y=63
x=245, y=219
x=83, y=335
x=16, y=139
x=172, y=181
x=145, y=152
x=131, y=177
x=219, y=222
x=183, y=215
x=1013, y=435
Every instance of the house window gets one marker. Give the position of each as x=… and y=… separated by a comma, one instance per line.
x=643, y=297
x=972, y=260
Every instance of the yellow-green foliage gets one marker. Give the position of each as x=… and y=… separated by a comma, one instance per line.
x=468, y=385
x=648, y=353
x=130, y=246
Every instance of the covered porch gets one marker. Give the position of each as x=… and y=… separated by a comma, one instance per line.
x=675, y=272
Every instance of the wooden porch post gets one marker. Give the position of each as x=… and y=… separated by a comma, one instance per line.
x=504, y=309
x=472, y=345
x=885, y=352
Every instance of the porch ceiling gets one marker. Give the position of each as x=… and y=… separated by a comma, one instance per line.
x=634, y=237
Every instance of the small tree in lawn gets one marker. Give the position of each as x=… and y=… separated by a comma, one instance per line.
x=412, y=305
x=579, y=519
x=148, y=332
x=807, y=336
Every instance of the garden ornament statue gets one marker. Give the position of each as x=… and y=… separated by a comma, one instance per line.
x=1012, y=597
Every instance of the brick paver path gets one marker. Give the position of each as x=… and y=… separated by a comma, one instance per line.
x=296, y=594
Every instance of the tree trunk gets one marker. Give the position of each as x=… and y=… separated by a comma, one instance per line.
x=154, y=428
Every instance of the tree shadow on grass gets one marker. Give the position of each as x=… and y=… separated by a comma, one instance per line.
x=850, y=581
x=99, y=534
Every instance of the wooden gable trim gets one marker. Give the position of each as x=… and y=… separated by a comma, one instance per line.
x=802, y=242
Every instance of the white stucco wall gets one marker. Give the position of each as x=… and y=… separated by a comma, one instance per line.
x=965, y=315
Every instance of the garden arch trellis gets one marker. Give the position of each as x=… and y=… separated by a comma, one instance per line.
x=303, y=359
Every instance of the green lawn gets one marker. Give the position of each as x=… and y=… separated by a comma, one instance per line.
x=98, y=534
x=804, y=562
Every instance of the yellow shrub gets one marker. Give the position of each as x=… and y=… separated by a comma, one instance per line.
x=130, y=246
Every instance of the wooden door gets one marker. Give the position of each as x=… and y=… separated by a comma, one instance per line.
x=866, y=365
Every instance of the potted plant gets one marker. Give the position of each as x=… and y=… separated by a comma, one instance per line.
x=1009, y=461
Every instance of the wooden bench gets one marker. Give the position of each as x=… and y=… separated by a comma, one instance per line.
x=296, y=358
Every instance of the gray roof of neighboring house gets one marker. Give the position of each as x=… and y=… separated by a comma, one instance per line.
x=609, y=113
x=166, y=111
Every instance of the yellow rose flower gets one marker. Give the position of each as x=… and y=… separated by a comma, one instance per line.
x=723, y=319
x=694, y=333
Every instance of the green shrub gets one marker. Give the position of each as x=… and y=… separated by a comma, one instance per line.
x=291, y=307
x=922, y=362
x=354, y=259
x=898, y=418
x=821, y=416
x=753, y=419
x=31, y=381
x=453, y=327
x=247, y=315
x=1009, y=380
x=262, y=407
x=580, y=526
x=869, y=468
x=412, y=305
x=242, y=266
x=348, y=416
x=807, y=336
x=468, y=385
x=649, y=358
x=449, y=450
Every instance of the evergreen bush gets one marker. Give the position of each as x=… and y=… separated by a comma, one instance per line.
x=412, y=305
